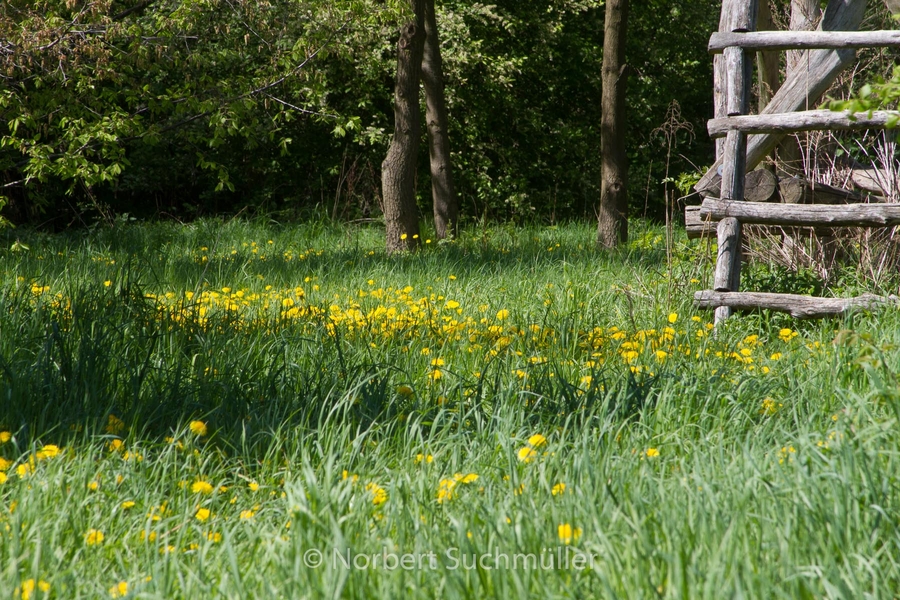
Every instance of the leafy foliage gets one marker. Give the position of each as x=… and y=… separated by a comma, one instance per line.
x=210, y=106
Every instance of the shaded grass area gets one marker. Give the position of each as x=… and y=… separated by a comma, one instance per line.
x=514, y=393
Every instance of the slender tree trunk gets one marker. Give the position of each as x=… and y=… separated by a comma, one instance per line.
x=398, y=171
x=767, y=63
x=446, y=208
x=612, y=225
x=805, y=16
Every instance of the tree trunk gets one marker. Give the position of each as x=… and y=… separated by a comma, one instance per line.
x=398, y=171
x=805, y=16
x=612, y=225
x=446, y=208
x=769, y=76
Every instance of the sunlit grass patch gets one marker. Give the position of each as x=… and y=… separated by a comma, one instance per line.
x=174, y=426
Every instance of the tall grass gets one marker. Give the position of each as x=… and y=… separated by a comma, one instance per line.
x=516, y=393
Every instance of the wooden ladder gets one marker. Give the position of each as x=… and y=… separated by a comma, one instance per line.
x=730, y=211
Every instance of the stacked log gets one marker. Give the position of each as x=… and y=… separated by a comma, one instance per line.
x=763, y=186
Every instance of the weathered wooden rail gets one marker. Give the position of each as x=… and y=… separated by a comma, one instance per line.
x=832, y=49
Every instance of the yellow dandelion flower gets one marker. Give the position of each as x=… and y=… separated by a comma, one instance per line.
x=214, y=537
x=93, y=537
x=769, y=406
x=446, y=489
x=114, y=425
x=5, y=464
x=427, y=458
x=115, y=445
x=673, y=317
x=28, y=587
x=24, y=470
x=48, y=451
x=198, y=428
x=120, y=590
x=466, y=478
x=253, y=486
x=5, y=436
x=537, y=440
x=93, y=485
x=451, y=304
x=405, y=391
x=526, y=454
x=247, y=514
x=3, y=478
x=568, y=534
x=559, y=489
x=202, y=487
x=786, y=334
x=127, y=504
x=379, y=494
x=652, y=452
x=502, y=314
x=202, y=514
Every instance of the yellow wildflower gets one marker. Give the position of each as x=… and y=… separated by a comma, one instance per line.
x=379, y=494
x=526, y=454
x=537, y=440
x=120, y=590
x=48, y=451
x=202, y=514
x=5, y=436
x=652, y=452
x=28, y=586
x=568, y=534
x=559, y=489
x=198, y=428
x=93, y=537
x=114, y=425
x=202, y=487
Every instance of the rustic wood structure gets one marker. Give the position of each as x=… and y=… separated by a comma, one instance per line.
x=736, y=40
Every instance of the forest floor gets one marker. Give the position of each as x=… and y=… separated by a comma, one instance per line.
x=233, y=409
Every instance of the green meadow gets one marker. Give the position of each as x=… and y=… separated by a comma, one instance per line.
x=254, y=410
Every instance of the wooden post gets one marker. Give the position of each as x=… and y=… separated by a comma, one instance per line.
x=734, y=162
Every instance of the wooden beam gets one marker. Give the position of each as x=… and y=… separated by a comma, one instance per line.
x=800, y=307
x=695, y=225
x=803, y=215
x=800, y=40
x=807, y=120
